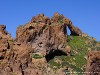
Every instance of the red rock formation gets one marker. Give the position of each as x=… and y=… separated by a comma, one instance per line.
x=40, y=19
x=45, y=34
x=59, y=18
x=42, y=35
x=93, y=64
x=4, y=33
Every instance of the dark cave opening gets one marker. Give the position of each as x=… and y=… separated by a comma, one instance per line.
x=1, y=57
x=54, y=53
x=31, y=27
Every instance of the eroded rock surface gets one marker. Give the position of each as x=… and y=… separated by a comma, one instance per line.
x=93, y=66
x=46, y=35
x=40, y=38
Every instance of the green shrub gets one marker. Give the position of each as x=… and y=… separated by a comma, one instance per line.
x=36, y=56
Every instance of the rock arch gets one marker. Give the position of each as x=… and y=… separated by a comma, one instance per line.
x=47, y=34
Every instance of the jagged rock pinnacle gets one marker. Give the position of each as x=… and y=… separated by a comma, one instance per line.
x=46, y=35
x=36, y=43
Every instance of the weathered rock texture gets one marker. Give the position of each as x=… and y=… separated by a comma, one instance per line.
x=47, y=35
x=93, y=66
x=41, y=36
x=4, y=44
x=4, y=33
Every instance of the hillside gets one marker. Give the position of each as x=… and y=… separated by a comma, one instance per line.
x=43, y=47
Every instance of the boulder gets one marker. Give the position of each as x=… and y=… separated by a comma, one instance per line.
x=93, y=63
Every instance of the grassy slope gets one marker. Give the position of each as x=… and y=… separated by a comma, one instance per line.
x=80, y=47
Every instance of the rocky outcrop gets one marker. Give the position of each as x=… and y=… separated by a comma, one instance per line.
x=46, y=35
x=4, y=42
x=2, y=30
x=93, y=64
x=4, y=33
x=59, y=18
x=36, y=43
x=40, y=19
x=14, y=57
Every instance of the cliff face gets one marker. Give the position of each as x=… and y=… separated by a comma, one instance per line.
x=47, y=35
x=42, y=47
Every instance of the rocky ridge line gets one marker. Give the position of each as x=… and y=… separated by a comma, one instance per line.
x=36, y=43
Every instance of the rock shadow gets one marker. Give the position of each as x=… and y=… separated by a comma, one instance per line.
x=54, y=53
